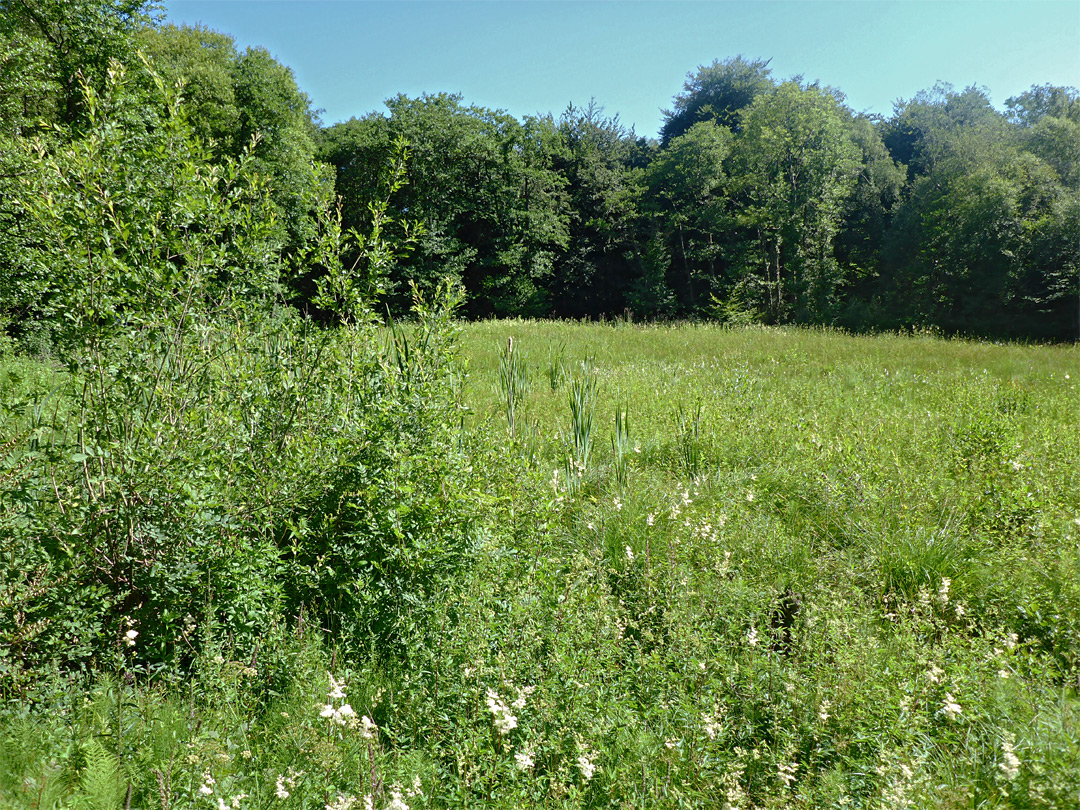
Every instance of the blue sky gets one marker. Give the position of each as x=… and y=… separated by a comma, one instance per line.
x=632, y=56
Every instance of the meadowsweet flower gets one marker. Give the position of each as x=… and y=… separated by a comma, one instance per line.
x=1003, y=674
x=337, y=690
x=279, y=788
x=207, y=786
x=523, y=759
x=368, y=729
x=650, y=519
x=934, y=673
x=823, y=711
x=675, y=511
x=523, y=696
x=950, y=708
x=1011, y=641
x=786, y=772
x=369, y=802
x=505, y=722
x=586, y=766
x=711, y=724
x=752, y=637
x=617, y=504
x=629, y=554
x=943, y=591
x=396, y=800
x=750, y=496
x=130, y=636
x=1010, y=763
x=341, y=803
x=416, y=789
x=670, y=743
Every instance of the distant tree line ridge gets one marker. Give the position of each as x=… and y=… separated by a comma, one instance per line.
x=762, y=200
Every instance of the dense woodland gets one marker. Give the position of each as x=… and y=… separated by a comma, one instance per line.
x=763, y=199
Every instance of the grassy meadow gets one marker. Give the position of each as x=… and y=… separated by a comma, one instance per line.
x=705, y=567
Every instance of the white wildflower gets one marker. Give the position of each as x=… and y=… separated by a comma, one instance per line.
x=617, y=504
x=523, y=696
x=786, y=772
x=396, y=801
x=279, y=789
x=629, y=554
x=650, y=519
x=943, y=591
x=505, y=722
x=1011, y=641
x=1003, y=674
x=523, y=759
x=711, y=724
x=416, y=789
x=934, y=673
x=1010, y=763
x=1016, y=465
x=130, y=636
x=960, y=610
x=368, y=729
x=586, y=766
x=950, y=708
x=369, y=802
x=637, y=447
x=670, y=743
x=341, y=803
x=337, y=690
x=752, y=637
x=750, y=496
x=823, y=711
x=207, y=786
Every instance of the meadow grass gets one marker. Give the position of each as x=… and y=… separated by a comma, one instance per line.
x=808, y=570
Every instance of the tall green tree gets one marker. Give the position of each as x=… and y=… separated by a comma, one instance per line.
x=686, y=194
x=717, y=92
x=796, y=165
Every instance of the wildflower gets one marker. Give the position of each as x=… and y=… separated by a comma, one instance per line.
x=950, y=708
x=1010, y=763
x=675, y=511
x=341, y=803
x=523, y=695
x=130, y=636
x=1016, y=465
x=686, y=499
x=670, y=743
x=590, y=526
x=218, y=659
x=207, y=786
x=960, y=610
x=943, y=591
x=650, y=519
x=337, y=690
x=246, y=754
x=586, y=766
x=752, y=637
x=711, y=724
x=369, y=802
x=637, y=447
x=1003, y=674
x=786, y=772
x=249, y=672
x=823, y=711
x=934, y=673
x=617, y=504
x=505, y=722
x=279, y=788
x=368, y=729
x=1011, y=641
x=416, y=789
x=523, y=759
x=629, y=554
x=396, y=802
x=750, y=496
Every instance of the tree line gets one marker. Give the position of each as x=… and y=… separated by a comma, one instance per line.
x=762, y=199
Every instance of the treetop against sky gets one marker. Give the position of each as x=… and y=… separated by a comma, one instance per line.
x=632, y=57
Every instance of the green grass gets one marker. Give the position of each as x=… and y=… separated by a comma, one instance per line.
x=863, y=592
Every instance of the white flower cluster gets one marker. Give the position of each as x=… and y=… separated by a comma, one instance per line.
x=1010, y=762
x=950, y=708
x=343, y=715
x=207, y=786
x=523, y=759
x=285, y=782
x=586, y=766
x=233, y=803
x=786, y=772
x=501, y=713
